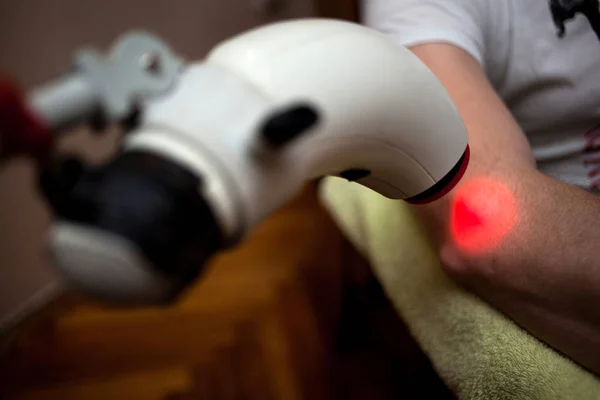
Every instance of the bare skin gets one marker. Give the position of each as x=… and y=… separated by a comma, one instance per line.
x=545, y=272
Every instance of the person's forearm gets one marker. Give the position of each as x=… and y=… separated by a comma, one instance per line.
x=524, y=242
x=535, y=255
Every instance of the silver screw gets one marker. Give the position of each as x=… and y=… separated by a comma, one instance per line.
x=151, y=63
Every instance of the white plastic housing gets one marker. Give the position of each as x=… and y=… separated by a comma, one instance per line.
x=380, y=108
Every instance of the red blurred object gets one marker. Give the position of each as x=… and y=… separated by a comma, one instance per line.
x=483, y=213
x=465, y=218
x=21, y=132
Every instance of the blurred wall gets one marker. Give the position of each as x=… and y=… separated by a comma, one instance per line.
x=37, y=40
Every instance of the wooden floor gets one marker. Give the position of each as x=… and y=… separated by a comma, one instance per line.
x=292, y=314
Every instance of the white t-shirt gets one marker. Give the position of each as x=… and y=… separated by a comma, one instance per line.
x=551, y=85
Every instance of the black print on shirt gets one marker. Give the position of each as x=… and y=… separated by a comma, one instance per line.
x=565, y=10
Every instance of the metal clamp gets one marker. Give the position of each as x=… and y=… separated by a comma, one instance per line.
x=114, y=87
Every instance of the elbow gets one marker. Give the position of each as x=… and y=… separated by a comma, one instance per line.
x=472, y=269
x=458, y=264
x=464, y=268
x=479, y=232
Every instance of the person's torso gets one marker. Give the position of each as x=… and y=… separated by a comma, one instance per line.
x=551, y=85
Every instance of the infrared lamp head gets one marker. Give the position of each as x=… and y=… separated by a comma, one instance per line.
x=237, y=137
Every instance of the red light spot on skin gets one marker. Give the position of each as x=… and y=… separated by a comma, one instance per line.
x=483, y=213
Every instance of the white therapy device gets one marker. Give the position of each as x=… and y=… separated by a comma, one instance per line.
x=213, y=147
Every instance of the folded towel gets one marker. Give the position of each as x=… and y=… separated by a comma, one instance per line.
x=476, y=350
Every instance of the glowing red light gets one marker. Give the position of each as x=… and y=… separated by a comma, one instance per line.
x=483, y=213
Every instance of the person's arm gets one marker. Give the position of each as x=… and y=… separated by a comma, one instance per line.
x=543, y=269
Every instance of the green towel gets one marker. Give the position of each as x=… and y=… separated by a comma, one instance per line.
x=477, y=351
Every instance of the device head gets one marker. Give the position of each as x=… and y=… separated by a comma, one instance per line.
x=134, y=231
